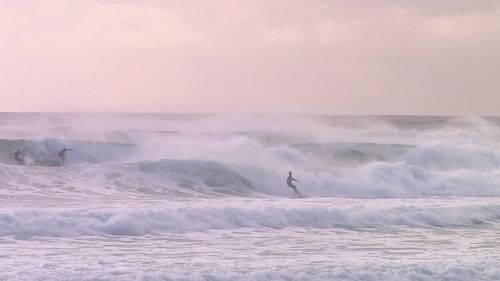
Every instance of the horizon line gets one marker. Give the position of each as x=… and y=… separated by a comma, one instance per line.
x=245, y=113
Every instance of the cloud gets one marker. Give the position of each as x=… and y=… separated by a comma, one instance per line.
x=59, y=26
x=331, y=32
x=284, y=36
x=466, y=26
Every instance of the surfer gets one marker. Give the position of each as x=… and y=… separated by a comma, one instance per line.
x=62, y=154
x=19, y=157
x=289, y=182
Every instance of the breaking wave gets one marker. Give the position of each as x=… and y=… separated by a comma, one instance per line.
x=195, y=178
x=186, y=218
x=177, y=178
x=368, y=157
x=44, y=152
x=411, y=272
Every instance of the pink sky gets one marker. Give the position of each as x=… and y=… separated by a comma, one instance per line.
x=263, y=56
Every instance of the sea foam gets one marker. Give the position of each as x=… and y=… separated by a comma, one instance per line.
x=187, y=218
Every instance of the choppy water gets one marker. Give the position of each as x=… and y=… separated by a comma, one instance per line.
x=204, y=197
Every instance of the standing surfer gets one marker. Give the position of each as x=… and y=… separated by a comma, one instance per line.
x=62, y=154
x=289, y=182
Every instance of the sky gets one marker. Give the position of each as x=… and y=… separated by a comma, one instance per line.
x=421, y=57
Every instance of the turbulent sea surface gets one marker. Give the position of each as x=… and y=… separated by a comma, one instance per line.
x=204, y=197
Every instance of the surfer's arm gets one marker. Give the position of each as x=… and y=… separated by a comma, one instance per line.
x=295, y=180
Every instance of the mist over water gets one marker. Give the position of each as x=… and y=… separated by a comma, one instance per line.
x=165, y=182
x=250, y=155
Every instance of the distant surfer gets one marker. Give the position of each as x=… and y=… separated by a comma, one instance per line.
x=290, y=180
x=62, y=154
x=19, y=157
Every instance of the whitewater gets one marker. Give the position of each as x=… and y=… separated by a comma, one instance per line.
x=204, y=197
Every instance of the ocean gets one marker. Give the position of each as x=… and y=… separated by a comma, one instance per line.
x=204, y=197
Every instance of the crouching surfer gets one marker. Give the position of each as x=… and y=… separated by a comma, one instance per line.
x=289, y=182
x=19, y=157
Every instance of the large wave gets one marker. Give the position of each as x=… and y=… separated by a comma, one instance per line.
x=177, y=178
x=195, y=178
x=251, y=156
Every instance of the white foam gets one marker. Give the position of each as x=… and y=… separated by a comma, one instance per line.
x=186, y=218
x=369, y=272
